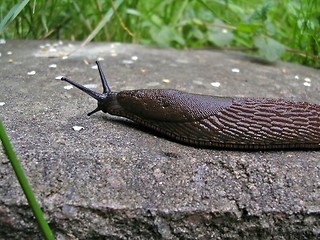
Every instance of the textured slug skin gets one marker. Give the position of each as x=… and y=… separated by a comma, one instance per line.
x=236, y=123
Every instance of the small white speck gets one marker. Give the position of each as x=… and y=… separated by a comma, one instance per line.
x=307, y=84
x=68, y=87
x=113, y=53
x=60, y=42
x=152, y=84
x=90, y=85
x=307, y=79
x=85, y=61
x=32, y=73
x=70, y=45
x=235, y=70
x=94, y=67
x=52, y=50
x=296, y=77
x=127, y=61
x=166, y=80
x=0, y=54
x=9, y=53
x=100, y=58
x=197, y=82
x=181, y=60
x=134, y=58
x=2, y=103
x=215, y=84
x=224, y=30
x=58, y=77
x=52, y=65
x=2, y=41
x=77, y=128
x=65, y=57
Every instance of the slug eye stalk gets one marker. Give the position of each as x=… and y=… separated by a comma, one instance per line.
x=88, y=91
x=98, y=96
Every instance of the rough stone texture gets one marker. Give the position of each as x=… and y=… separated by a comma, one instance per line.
x=114, y=180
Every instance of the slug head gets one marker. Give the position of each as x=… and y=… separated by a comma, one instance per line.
x=102, y=98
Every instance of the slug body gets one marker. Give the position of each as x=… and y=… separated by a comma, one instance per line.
x=218, y=122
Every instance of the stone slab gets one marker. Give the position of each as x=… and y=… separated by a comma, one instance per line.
x=115, y=180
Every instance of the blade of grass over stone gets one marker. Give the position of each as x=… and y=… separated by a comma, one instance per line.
x=24, y=184
x=12, y=14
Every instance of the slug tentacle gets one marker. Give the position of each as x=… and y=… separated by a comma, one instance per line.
x=209, y=121
x=104, y=99
x=105, y=85
x=88, y=91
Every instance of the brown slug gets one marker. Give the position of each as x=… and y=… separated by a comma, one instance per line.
x=218, y=122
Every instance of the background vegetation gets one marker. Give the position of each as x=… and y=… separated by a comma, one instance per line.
x=286, y=29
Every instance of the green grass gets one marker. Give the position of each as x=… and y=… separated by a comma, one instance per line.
x=285, y=29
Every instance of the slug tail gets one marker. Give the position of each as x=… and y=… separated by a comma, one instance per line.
x=105, y=85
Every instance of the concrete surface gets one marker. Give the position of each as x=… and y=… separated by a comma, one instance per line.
x=114, y=180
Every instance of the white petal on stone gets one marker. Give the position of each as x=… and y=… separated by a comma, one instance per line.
x=68, y=87
x=127, y=61
x=58, y=77
x=77, y=128
x=215, y=84
x=235, y=70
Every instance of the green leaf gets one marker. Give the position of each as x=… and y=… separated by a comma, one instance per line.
x=269, y=27
x=156, y=20
x=261, y=13
x=196, y=33
x=220, y=37
x=269, y=48
x=166, y=36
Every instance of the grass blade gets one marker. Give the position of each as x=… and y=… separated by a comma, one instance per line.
x=24, y=184
x=12, y=14
x=103, y=21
